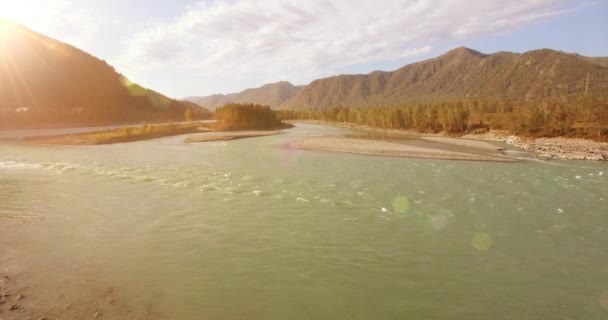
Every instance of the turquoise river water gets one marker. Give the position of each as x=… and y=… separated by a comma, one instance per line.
x=252, y=229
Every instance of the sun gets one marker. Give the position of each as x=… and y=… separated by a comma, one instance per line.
x=11, y=9
x=17, y=11
x=36, y=15
x=5, y=28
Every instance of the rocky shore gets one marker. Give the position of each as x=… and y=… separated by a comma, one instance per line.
x=562, y=148
x=558, y=148
x=8, y=302
x=550, y=148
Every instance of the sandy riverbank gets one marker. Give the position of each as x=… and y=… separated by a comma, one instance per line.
x=403, y=149
x=18, y=302
x=130, y=134
x=544, y=148
x=466, y=143
x=229, y=135
x=119, y=135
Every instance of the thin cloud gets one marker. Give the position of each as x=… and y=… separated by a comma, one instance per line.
x=261, y=40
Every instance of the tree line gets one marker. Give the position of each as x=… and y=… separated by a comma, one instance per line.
x=125, y=113
x=577, y=116
x=247, y=117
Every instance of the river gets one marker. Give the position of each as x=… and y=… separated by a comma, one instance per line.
x=252, y=229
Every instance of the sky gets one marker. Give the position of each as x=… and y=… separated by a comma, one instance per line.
x=194, y=48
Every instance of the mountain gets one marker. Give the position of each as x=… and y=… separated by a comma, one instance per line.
x=602, y=61
x=54, y=83
x=273, y=95
x=461, y=73
x=215, y=101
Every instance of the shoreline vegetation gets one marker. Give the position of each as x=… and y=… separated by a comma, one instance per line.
x=234, y=121
x=570, y=127
x=562, y=148
x=238, y=117
x=129, y=134
x=239, y=121
x=576, y=116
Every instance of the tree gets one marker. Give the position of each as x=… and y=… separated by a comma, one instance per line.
x=544, y=117
x=247, y=116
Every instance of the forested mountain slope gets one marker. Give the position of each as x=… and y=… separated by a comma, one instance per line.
x=44, y=81
x=462, y=73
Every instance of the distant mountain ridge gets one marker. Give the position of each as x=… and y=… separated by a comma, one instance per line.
x=272, y=94
x=460, y=74
x=58, y=83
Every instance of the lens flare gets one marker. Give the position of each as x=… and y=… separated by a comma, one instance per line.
x=5, y=28
x=133, y=88
x=401, y=204
x=481, y=241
